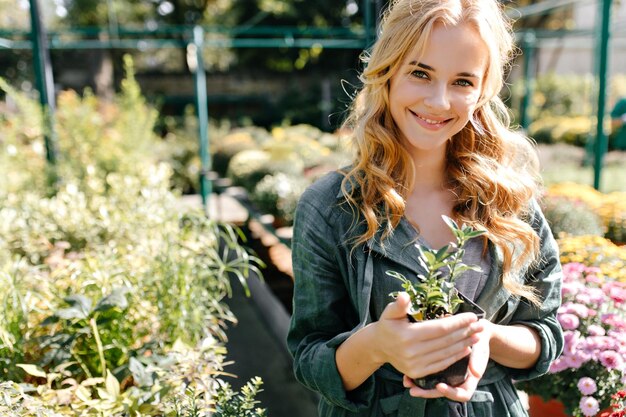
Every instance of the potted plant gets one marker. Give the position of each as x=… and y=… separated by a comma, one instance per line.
x=433, y=295
x=592, y=367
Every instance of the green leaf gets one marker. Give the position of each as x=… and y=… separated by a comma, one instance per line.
x=112, y=385
x=474, y=233
x=33, y=370
x=396, y=275
x=141, y=376
x=450, y=222
x=117, y=298
x=443, y=253
x=50, y=320
x=458, y=233
x=77, y=302
x=462, y=268
x=83, y=394
x=69, y=314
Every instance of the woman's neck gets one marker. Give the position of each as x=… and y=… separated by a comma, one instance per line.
x=430, y=171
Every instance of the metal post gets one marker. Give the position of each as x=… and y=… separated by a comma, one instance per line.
x=196, y=64
x=528, y=48
x=367, y=22
x=601, y=138
x=43, y=79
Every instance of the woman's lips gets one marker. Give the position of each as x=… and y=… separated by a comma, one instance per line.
x=428, y=123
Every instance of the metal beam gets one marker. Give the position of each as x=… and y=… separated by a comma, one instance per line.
x=528, y=47
x=602, y=59
x=43, y=79
x=195, y=61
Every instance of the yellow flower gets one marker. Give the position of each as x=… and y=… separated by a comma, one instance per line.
x=595, y=251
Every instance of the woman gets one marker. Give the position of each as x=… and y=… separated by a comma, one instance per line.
x=432, y=139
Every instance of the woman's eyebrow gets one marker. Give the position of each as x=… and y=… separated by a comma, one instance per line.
x=429, y=68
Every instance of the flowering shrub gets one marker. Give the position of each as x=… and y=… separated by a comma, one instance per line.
x=613, y=213
x=597, y=252
x=570, y=217
x=577, y=192
x=592, y=367
x=618, y=405
x=111, y=292
x=611, y=208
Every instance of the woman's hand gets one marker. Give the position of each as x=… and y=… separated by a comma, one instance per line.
x=420, y=349
x=477, y=365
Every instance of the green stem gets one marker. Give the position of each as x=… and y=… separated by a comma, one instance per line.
x=456, y=259
x=94, y=327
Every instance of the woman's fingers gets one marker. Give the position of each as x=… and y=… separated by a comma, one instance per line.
x=416, y=391
x=446, y=326
x=397, y=309
x=415, y=356
x=461, y=393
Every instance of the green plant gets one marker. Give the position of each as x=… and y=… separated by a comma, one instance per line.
x=278, y=195
x=94, y=138
x=104, y=277
x=433, y=295
x=89, y=336
x=591, y=368
x=570, y=217
x=242, y=404
x=247, y=168
x=227, y=146
x=572, y=130
x=184, y=381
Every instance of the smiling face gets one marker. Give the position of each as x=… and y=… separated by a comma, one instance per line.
x=434, y=93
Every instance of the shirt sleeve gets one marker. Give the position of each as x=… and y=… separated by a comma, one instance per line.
x=619, y=109
x=546, y=277
x=323, y=316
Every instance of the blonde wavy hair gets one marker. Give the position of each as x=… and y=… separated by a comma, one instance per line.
x=492, y=170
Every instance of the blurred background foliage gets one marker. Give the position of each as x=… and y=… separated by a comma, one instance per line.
x=112, y=294
x=301, y=85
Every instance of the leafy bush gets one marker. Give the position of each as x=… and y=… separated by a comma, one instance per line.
x=611, y=208
x=561, y=108
x=228, y=146
x=278, y=168
x=590, y=370
x=557, y=95
x=278, y=195
x=572, y=130
x=569, y=217
x=613, y=212
x=563, y=95
x=247, y=168
x=94, y=138
x=110, y=294
x=595, y=251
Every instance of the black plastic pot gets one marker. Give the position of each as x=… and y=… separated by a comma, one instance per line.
x=455, y=374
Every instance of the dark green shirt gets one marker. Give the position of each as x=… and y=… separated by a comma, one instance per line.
x=333, y=287
x=620, y=137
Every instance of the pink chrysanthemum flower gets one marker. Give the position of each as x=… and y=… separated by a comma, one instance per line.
x=595, y=330
x=587, y=386
x=569, y=321
x=589, y=406
x=575, y=361
x=558, y=366
x=611, y=359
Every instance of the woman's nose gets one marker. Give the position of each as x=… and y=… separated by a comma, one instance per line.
x=438, y=99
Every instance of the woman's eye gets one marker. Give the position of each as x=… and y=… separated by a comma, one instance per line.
x=419, y=74
x=464, y=83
